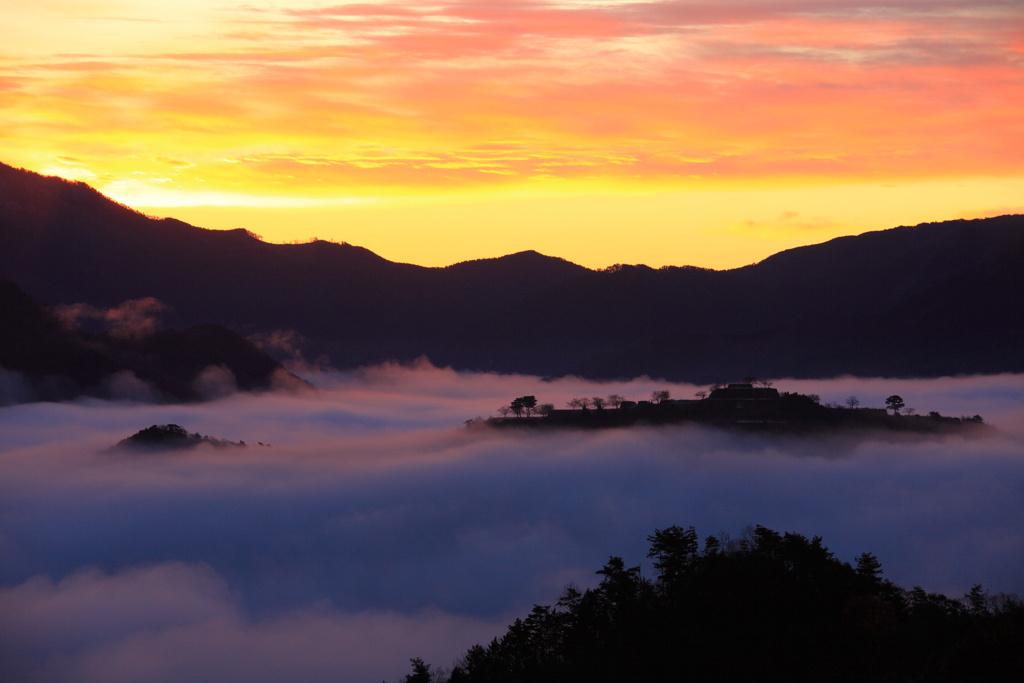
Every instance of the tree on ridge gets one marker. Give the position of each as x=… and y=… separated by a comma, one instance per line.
x=895, y=404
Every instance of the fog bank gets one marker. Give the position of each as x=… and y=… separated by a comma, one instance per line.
x=376, y=527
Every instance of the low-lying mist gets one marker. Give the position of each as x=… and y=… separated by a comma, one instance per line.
x=376, y=527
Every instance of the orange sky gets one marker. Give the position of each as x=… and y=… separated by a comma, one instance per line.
x=710, y=133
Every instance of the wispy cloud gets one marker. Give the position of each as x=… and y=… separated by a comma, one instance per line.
x=132, y=319
x=842, y=90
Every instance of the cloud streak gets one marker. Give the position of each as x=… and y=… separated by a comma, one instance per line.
x=759, y=89
x=377, y=528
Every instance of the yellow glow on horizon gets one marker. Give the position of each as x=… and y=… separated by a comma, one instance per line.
x=719, y=228
x=682, y=131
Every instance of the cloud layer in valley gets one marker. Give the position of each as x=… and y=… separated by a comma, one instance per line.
x=376, y=527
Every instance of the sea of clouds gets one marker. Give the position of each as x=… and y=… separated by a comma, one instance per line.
x=376, y=526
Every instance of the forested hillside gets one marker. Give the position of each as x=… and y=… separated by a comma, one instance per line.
x=767, y=607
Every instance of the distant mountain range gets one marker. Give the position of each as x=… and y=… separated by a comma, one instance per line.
x=929, y=300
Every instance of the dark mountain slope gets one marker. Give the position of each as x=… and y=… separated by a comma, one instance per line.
x=845, y=277
x=974, y=317
x=824, y=309
x=810, y=311
x=871, y=272
x=59, y=361
x=969, y=322
x=66, y=243
x=35, y=343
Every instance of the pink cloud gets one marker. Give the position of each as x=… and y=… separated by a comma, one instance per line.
x=133, y=318
x=766, y=89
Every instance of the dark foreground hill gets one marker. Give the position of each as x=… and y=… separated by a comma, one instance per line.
x=769, y=607
x=935, y=299
x=56, y=360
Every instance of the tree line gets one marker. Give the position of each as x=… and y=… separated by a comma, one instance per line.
x=527, y=406
x=768, y=606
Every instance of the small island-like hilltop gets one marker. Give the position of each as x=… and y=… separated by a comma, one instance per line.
x=171, y=437
x=749, y=405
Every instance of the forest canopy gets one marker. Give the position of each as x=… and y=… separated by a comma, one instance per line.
x=769, y=606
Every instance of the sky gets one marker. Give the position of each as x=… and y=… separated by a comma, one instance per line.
x=680, y=132
x=376, y=527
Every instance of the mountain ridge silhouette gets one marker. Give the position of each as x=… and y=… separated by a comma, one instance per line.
x=898, y=302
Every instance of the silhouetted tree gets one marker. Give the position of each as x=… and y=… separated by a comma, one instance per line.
x=420, y=672
x=701, y=395
x=524, y=405
x=894, y=403
x=868, y=566
x=661, y=395
x=529, y=404
x=673, y=550
x=544, y=409
x=505, y=410
x=517, y=407
x=615, y=401
x=976, y=600
x=852, y=401
x=712, y=545
x=597, y=402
